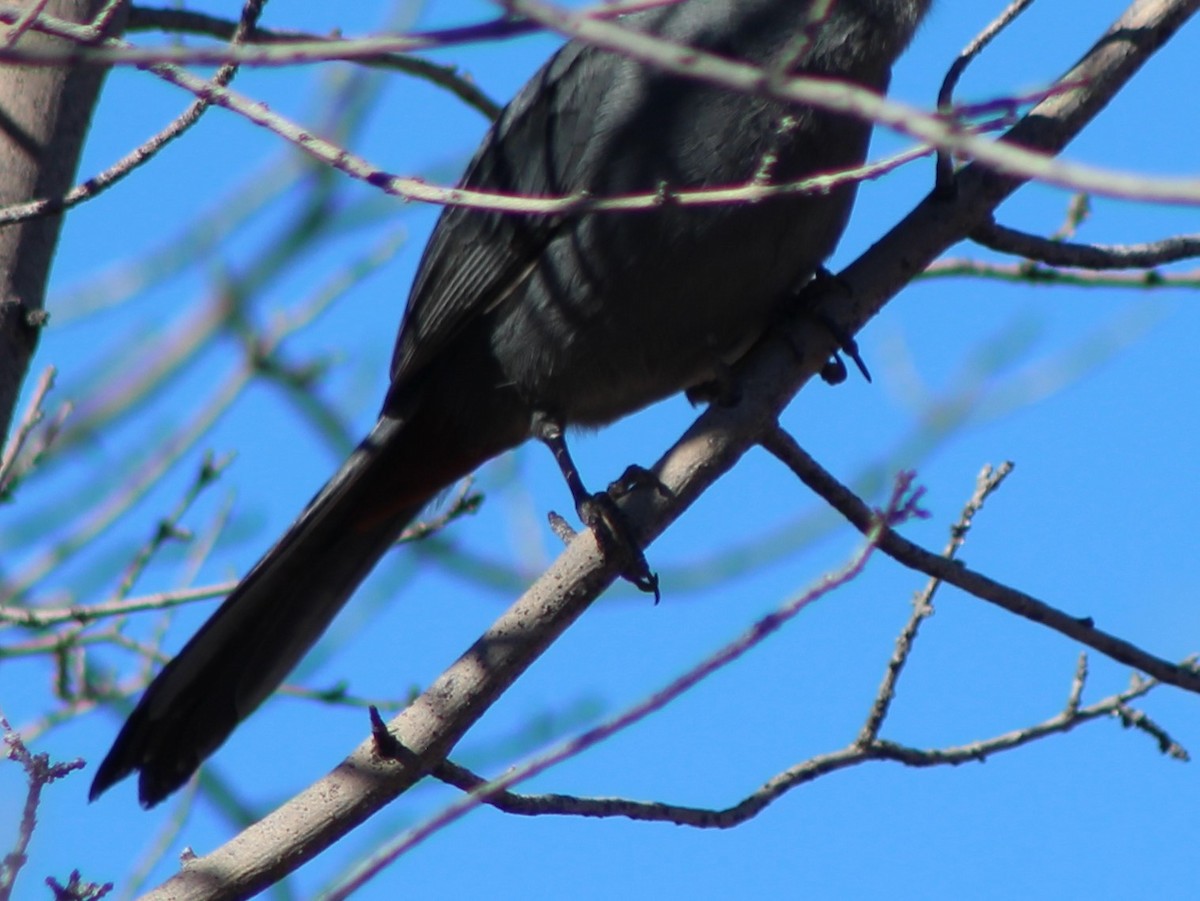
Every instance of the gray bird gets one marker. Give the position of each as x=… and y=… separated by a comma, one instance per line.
x=523, y=324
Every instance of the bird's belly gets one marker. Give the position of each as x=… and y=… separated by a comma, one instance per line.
x=617, y=315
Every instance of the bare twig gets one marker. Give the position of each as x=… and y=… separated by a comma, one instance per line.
x=1181, y=675
x=945, y=101
x=39, y=773
x=1078, y=210
x=185, y=21
x=1141, y=722
x=168, y=528
x=286, y=52
x=95, y=521
x=464, y=503
x=989, y=481
x=1087, y=256
x=855, y=754
x=29, y=420
x=251, y=11
x=1033, y=274
x=40, y=618
x=1008, y=157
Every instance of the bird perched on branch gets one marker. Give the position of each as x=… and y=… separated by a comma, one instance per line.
x=519, y=325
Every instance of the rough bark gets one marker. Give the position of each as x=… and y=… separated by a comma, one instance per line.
x=44, y=118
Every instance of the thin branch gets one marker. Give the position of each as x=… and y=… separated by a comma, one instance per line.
x=1034, y=274
x=465, y=502
x=39, y=773
x=1139, y=721
x=988, y=481
x=834, y=96
x=184, y=21
x=147, y=150
x=1007, y=157
x=88, y=49
x=807, y=771
x=1081, y=629
x=945, y=101
x=40, y=618
x=1086, y=256
x=29, y=420
x=97, y=520
x=1078, y=211
x=168, y=528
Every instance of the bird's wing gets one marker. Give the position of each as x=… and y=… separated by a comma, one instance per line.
x=568, y=130
x=475, y=257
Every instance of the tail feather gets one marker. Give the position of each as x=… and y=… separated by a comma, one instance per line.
x=258, y=635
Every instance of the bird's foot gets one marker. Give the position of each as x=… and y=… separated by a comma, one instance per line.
x=834, y=371
x=599, y=512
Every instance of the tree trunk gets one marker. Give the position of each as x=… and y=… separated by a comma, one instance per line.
x=44, y=117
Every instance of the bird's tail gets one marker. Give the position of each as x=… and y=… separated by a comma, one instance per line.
x=277, y=612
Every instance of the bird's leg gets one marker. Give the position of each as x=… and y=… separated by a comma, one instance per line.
x=599, y=512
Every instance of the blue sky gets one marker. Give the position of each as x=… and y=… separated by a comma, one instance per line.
x=1091, y=392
